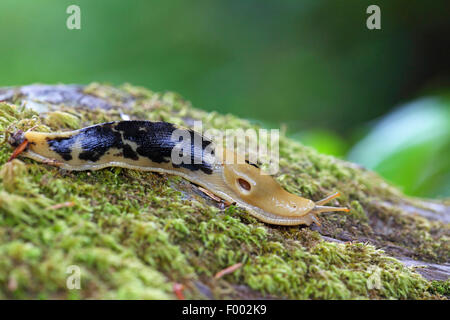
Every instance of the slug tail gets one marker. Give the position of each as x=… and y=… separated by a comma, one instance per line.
x=20, y=148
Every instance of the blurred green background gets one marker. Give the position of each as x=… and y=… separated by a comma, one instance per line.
x=380, y=98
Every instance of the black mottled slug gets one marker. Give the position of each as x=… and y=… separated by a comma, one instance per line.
x=146, y=145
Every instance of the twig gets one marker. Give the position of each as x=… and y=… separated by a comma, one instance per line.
x=61, y=205
x=178, y=290
x=228, y=270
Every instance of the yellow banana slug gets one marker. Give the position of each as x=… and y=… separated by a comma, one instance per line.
x=150, y=146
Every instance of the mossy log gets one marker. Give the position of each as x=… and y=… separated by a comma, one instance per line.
x=136, y=234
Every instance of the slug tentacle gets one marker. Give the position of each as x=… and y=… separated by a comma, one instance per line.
x=328, y=199
x=155, y=146
x=321, y=209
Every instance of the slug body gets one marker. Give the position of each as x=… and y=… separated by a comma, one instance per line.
x=150, y=146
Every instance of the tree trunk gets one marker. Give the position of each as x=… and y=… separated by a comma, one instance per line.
x=134, y=234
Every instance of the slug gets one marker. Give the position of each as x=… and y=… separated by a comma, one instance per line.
x=146, y=145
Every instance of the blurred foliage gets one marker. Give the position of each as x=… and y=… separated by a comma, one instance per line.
x=311, y=65
x=411, y=147
x=324, y=141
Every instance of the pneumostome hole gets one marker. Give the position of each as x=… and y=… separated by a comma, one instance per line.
x=244, y=184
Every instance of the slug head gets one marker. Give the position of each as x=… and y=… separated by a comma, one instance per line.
x=264, y=192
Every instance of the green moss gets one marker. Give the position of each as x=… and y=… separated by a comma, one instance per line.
x=134, y=234
x=440, y=287
x=62, y=119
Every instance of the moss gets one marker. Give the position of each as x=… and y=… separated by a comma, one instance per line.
x=62, y=119
x=134, y=234
x=440, y=287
